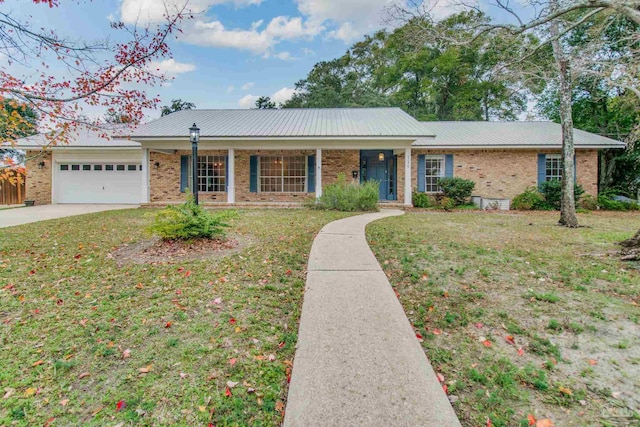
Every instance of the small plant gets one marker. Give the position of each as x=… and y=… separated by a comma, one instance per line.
x=458, y=189
x=552, y=192
x=588, y=202
x=554, y=325
x=545, y=296
x=447, y=203
x=529, y=200
x=189, y=221
x=421, y=200
x=348, y=196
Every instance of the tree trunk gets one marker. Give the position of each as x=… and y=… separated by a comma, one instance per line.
x=568, y=216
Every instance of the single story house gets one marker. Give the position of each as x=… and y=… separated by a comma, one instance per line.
x=286, y=155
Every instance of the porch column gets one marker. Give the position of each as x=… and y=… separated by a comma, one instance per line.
x=231, y=185
x=318, y=173
x=145, y=196
x=407, y=177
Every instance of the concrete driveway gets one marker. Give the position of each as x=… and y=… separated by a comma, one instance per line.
x=19, y=216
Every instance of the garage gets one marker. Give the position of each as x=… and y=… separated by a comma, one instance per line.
x=105, y=176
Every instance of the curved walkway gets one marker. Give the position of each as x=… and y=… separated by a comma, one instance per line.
x=358, y=361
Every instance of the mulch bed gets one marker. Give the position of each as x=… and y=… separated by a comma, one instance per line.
x=160, y=251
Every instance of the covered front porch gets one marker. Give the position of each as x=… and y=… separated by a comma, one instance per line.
x=259, y=176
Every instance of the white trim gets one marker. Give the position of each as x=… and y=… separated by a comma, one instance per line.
x=54, y=175
x=318, y=173
x=407, y=177
x=231, y=184
x=145, y=194
x=443, y=160
x=512, y=147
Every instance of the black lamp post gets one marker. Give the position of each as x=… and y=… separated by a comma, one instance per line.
x=194, y=136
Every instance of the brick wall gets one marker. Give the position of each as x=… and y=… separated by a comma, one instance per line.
x=507, y=173
x=38, y=183
x=164, y=181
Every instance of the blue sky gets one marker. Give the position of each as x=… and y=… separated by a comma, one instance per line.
x=233, y=50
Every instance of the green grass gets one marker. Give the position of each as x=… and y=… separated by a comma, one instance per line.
x=523, y=305
x=69, y=317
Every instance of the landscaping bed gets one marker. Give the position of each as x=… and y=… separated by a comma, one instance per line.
x=523, y=319
x=173, y=341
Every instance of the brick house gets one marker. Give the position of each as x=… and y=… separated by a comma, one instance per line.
x=284, y=156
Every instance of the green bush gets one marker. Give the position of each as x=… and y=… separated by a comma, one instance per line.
x=529, y=200
x=348, y=196
x=606, y=202
x=421, y=200
x=552, y=192
x=588, y=202
x=458, y=189
x=189, y=221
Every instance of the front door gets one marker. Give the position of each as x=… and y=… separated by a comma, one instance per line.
x=379, y=165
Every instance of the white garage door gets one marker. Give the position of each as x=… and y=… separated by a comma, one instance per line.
x=95, y=182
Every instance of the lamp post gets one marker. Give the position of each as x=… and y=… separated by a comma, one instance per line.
x=194, y=136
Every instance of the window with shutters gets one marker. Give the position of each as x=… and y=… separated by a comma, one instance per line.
x=553, y=167
x=282, y=174
x=434, y=170
x=212, y=173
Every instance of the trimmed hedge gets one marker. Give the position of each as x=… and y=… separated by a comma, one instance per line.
x=348, y=196
x=457, y=189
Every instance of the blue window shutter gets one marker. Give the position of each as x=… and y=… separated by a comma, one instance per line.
x=253, y=174
x=542, y=168
x=311, y=174
x=184, y=173
x=448, y=166
x=421, y=173
x=226, y=173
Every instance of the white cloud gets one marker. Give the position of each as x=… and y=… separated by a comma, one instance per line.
x=247, y=86
x=170, y=67
x=230, y=88
x=346, y=32
x=284, y=56
x=248, y=101
x=286, y=28
x=153, y=11
x=283, y=95
x=215, y=34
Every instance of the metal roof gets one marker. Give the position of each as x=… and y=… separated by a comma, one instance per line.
x=81, y=138
x=508, y=135
x=285, y=123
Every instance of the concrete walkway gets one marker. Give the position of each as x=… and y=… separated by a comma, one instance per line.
x=358, y=361
x=19, y=216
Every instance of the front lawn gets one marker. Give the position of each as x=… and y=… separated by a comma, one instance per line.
x=85, y=342
x=523, y=319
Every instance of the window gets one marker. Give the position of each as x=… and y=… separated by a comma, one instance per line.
x=86, y=167
x=108, y=167
x=212, y=173
x=64, y=167
x=75, y=167
x=554, y=167
x=120, y=167
x=97, y=167
x=283, y=174
x=434, y=170
x=132, y=167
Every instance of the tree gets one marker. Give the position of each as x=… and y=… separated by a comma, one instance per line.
x=265, y=103
x=552, y=23
x=104, y=74
x=16, y=121
x=177, y=105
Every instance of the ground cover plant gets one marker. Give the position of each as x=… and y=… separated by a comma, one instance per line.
x=522, y=319
x=180, y=343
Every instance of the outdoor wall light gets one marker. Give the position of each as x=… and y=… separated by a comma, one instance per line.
x=381, y=156
x=41, y=165
x=156, y=165
x=354, y=174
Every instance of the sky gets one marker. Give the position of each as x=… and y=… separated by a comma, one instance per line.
x=232, y=51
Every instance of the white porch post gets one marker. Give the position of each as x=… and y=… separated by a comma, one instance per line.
x=318, y=172
x=231, y=185
x=145, y=194
x=407, y=177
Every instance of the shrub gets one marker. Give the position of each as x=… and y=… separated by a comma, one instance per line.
x=348, y=196
x=421, y=200
x=588, y=202
x=530, y=199
x=189, y=221
x=552, y=192
x=458, y=189
x=447, y=203
x=606, y=202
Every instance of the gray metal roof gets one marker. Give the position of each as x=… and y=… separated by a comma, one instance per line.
x=508, y=134
x=81, y=138
x=286, y=123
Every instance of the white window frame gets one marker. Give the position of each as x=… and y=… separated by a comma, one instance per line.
x=555, y=158
x=223, y=177
x=282, y=177
x=442, y=172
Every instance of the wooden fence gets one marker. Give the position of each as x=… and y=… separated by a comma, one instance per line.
x=12, y=193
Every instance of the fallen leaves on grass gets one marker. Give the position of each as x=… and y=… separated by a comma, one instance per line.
x=227, y=392
x=565, y=390
x=83, y=375
x=146, y=369
x=232, y=361
x=531, y=419
x=509, y=339
x=120, y=405
x=545, y=423
x=280, y=406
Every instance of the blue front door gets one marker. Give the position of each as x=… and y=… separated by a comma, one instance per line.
x=379, y=166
